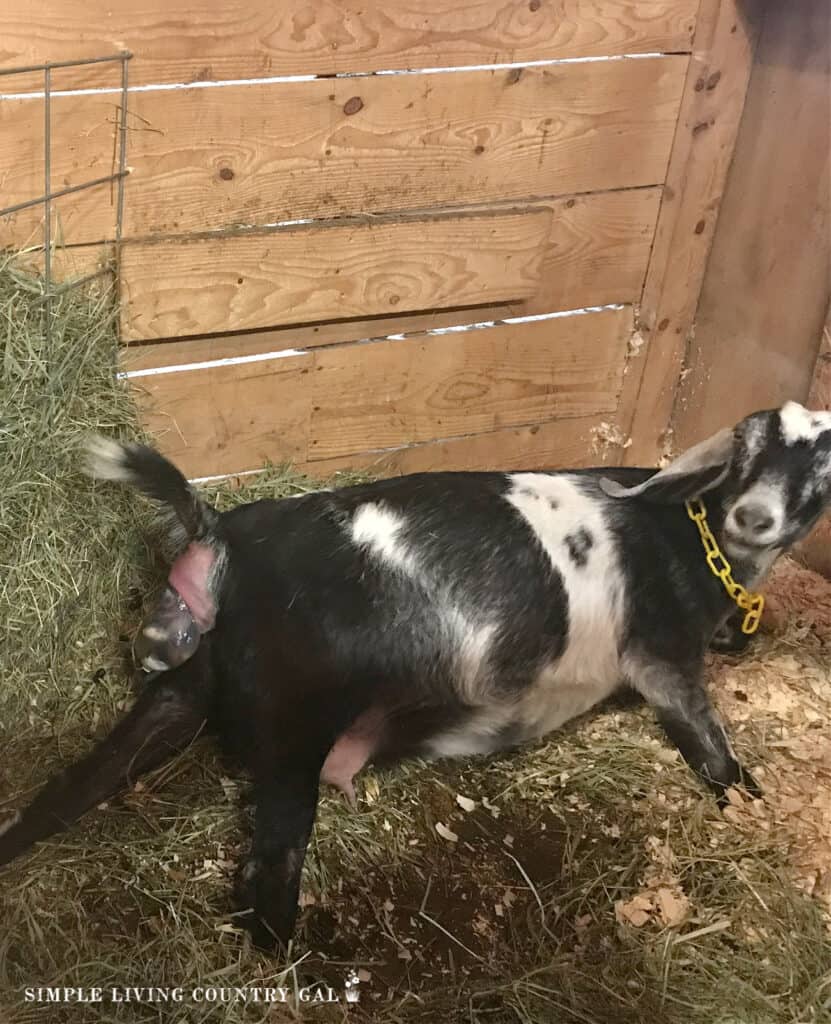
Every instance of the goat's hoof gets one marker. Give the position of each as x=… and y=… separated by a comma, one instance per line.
x=256, y=896
x=751, y=786
x=730, y=640
x=744, y=780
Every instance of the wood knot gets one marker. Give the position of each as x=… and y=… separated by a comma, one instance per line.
x=534, y=5
x=226, y=173
x=662, y=326
x=353, y=105
x=713, y=80
x=513, y=76
x=479, y=150
x=700, y=226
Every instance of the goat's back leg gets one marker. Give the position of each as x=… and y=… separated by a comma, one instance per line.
x=167, y=716
x=294, y=733
x=689, y=719
x=268, y=882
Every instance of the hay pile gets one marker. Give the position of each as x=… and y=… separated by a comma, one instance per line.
x=585, y=881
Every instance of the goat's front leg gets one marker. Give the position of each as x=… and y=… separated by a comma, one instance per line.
x=729, y=638
x=689, y=719
x=268, y=882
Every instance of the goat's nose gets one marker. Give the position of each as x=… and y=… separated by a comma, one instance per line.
x=753, y=517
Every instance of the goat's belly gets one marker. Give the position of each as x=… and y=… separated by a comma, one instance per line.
x=584, y=676
x=483, y=731
x=544, y=712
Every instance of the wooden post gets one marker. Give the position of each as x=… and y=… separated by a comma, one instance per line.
x=768, y=280
x=815, y=550
x=711, y=109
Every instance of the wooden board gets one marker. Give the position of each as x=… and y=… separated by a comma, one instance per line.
x=84, y=131
x=257, y=280
x=229, y=418
x=206, y=40
x=557, y=444
x=768, y=282
x=393, y=392
x=815, y=550
x=596, y=252
x=708, y=125
x=263, y=154
x=334, y=402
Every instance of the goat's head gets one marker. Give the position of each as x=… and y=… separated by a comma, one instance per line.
x=773, y=471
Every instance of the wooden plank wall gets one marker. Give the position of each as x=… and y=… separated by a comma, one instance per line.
x=332, y=192
x=237, y=39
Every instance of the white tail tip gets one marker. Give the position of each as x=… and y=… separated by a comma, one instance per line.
x=106, y=459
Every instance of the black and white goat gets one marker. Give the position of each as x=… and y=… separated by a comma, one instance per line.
x=437, y=615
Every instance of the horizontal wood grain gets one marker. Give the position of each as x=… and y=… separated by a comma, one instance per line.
x=331, y=404
x=598, y=250
x=557, y=444
x=394, y=392
x=231, y=283
x=595, y=252
x=140, y=357
x=230, y=418
x=211, y=159
x=206, y=40
x=84, y=130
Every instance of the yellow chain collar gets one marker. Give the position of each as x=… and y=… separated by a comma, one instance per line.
x=751, y=604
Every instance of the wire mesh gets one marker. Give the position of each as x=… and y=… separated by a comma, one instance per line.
x=48, y=196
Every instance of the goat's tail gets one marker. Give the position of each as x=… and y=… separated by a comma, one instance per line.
x=151, y=474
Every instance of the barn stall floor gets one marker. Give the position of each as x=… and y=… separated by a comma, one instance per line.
x=587, y=880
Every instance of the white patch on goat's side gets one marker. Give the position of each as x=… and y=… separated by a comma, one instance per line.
x=800, y=424
x=556, y=508
x=470, y=643
x=376, y=526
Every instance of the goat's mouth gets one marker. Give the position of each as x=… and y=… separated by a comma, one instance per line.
x=744, y=545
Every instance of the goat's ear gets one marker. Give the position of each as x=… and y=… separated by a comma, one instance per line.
x=699, y=469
